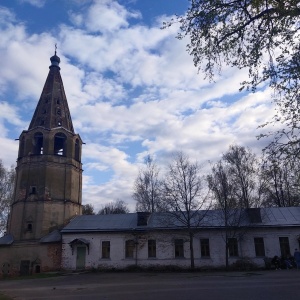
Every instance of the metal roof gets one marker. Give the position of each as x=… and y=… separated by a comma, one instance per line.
x=263, y=217
x=6, y=240
x=52, y=237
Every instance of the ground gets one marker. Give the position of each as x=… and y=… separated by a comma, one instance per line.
x=275, y=285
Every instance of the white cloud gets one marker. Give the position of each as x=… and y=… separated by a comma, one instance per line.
x=126, y=85
x=36, y=3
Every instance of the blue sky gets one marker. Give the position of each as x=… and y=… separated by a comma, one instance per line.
x=132, y=88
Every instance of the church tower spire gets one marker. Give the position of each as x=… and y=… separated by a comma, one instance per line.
x=52, y=109
x=49, y=170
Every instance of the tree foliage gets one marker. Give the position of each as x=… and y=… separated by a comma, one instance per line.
x=261, y=36
x=118, y=207
x=147, y=188
x=7, y=179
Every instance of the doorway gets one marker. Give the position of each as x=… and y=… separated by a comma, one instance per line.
x=80, y=258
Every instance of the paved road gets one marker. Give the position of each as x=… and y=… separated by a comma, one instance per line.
x=265, y=285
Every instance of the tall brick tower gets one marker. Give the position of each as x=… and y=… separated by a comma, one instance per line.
x=48, y=179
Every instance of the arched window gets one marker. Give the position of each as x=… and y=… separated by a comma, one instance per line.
x=22, y=147
x=77, y=150
x=38, y=143
x=60, y=144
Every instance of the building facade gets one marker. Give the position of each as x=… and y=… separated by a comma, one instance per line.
x=48, y=184
x=120, y=241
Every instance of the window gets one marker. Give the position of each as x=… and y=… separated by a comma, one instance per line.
x=29, y=227
x=33, y=190
x=106, y=249
x=259, y=246
x=233, y=247
x=129, y=248
x=151, y=248
x=60, y=142
x=22, y=147
x=38, y=141
x=179, y=248
x=284, y=246
x=77, y=150
x=204, y=244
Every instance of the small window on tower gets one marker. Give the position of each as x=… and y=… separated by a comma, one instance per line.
x=59, y=123
x=58, y=112
x=58, y=101
x=29, y=227
x=33, y=190
x=42, y=122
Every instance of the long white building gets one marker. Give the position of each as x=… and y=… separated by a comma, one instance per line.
x=144, y=239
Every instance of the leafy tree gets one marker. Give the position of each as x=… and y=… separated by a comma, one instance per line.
x=147, y=188
x=184, y=195
x=261, y=36
x=118, y=207
x=7, y=179
x=88, y=209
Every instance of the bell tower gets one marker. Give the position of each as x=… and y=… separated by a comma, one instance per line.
x=49, y=170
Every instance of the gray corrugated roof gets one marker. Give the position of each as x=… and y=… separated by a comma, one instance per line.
x=6, y=240
x=283, y=216
x=52, y=237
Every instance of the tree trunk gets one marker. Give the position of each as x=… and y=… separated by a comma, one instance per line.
x=226, y=254
x=192, y=250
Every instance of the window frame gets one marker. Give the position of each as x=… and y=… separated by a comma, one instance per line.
x=259, y=246
x=105, y=249
x=151, y=248
x=284, y=244
x=204, y=247
x=179, y=248
x=233, y=247
x=129, y=249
